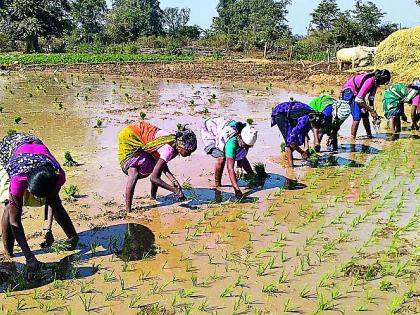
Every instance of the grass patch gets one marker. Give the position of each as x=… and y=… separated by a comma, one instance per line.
x=73, y=58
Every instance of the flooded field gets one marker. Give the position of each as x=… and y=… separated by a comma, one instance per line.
x=339, y=238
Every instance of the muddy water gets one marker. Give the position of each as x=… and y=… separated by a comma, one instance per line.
x=119, y=101
x=214, y=249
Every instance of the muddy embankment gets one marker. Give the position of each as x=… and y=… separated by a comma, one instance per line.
x=310, y=75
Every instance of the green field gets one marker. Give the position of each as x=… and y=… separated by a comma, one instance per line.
x=73, y=58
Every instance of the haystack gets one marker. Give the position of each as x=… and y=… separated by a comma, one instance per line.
x=400, y=53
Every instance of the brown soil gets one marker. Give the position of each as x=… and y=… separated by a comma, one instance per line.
x=238, y=70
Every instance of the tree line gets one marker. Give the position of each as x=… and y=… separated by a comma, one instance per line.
x=243, y=25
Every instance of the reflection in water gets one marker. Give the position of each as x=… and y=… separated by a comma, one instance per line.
x=358, y=148
x=332, y=160
x=393, y=136
x=138, y=243
x=128, y=241
x=14, y=275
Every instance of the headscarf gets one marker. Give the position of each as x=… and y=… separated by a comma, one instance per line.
x=186, y=139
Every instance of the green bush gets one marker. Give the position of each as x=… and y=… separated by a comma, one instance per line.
x=130, y=48
x=6, y=44
x=173, y=47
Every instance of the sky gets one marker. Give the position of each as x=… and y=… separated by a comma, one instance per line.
x=404, y=12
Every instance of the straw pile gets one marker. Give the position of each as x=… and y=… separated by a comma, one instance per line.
x=400, y=53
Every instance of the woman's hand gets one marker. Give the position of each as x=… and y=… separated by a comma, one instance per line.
x=305, y=155
x=180, y=194
x=238, y=194
x=375, y=114
x=32, y=264
x=48, y=239
x=176, y=184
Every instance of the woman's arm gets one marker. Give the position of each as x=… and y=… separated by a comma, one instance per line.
x=129, y=188
x=170, y=176
x=61, y=216
x=317, y=145
x=14, y=209
x=244, y=163
x=156, y=180
x=47, y=231
x=370, y=109
x=232, y=176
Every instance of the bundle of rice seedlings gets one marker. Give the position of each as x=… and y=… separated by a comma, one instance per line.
x=259, y=176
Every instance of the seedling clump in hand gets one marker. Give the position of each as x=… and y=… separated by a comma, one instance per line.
x=259, y=176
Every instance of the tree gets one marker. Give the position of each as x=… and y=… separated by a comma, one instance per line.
x=190, y=31
x=369, y=18
x=418, y=2
x=325, y=14
x=222, y=22
x=175, y=18
x=254, y=22
x=27, y=20
x=345, y=30
x=88, y=17
x=130, y=19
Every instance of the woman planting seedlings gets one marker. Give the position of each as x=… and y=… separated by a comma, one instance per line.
x=335, y=112
x=355, y=90
x=145, y=150
x=393, y=105
x=31, y=170
x=295, y=120
x=228, y=141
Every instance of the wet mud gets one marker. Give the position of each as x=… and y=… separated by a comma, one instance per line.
x=340, y=236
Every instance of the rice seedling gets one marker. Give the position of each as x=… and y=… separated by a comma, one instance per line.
x=270, y=289
x=401, y=269
x=283, y=277
x=20, y=305
x=283, y=257
x=46, y=306
x=227, y=292
x=186, y=293
x=385, y=285
x=304, y=292
x=112, y=295
x=323, y=303
x=288, y=307
x=261, y=269
x=87, y=302
x=93, y=248
x=36, y=294
x=135, y=301
x=335, y=294
x=395, y=305
x=85, y=287
x=68, y=159
x=18, y=119
x=71, y=192
x=361, y=308
x=98, y=123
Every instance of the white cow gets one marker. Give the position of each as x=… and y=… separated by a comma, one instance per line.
x=359, y=56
